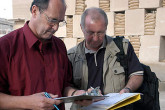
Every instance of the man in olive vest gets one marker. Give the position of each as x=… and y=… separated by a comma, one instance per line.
x=94, y=60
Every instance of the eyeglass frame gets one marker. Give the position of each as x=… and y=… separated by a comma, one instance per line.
x=54, y=22
x=93, y=33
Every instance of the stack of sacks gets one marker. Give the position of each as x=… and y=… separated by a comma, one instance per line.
x=80, y=6
x=133, y=4
x=105, y=5
x=79, y=40
x=163, y=3
x=149, y=24
x=69, y=26
x=135, y=41
x=119, y=24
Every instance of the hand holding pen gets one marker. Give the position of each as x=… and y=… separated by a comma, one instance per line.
x=48, y=96
x=38, y=101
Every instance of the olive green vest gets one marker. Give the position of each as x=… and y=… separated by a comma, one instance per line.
x=113, y=72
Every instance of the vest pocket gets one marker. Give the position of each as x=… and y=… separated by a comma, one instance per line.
x=118, y=70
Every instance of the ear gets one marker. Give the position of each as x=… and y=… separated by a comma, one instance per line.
x=35, y=10
x=81, y=28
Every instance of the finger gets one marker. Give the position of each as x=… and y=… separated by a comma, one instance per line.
x=53, y=96
x=89, y=90
x=100, y=92
x=41, y=93
x=79, y=92
x=50, y=101
x=122, y=91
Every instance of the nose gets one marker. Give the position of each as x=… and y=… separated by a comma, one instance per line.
x=95, y=36
x=55, y=26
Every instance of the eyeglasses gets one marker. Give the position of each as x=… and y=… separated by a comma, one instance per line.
x=90, y=33
x=54, y=21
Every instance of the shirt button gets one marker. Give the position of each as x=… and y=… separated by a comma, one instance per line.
x=115, y=71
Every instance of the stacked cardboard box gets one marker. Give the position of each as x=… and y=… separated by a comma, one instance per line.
x=135, y=41
x=163, y=3
x=149, y=25
x=105, y=5
x=69, y=26
x=133, y=4
x=119, y=24
x=80, y=7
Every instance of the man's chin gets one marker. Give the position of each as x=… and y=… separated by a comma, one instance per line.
x=49, y=35
x=46, y=38
x=96, y=46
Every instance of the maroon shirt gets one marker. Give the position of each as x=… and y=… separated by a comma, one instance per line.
x=28, y=66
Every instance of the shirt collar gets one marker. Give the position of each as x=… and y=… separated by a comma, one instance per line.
x=92, y=51
x=30, y=37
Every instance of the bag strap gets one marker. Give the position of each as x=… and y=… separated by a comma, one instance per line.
x=121, y=56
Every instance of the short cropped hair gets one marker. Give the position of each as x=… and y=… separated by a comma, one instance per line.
x=92, y=12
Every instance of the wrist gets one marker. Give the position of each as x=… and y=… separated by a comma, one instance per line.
x=127, y=88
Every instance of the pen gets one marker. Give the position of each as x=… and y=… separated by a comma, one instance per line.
x=48, y=96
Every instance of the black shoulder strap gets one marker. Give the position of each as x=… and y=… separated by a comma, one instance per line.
x=121, y=56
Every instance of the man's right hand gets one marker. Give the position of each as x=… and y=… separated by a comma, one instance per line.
x=36, y=101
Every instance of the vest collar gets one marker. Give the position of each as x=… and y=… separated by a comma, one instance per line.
x=111, y=48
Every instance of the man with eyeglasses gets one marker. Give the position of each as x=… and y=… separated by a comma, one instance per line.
x=94, y=60
x=33, y=61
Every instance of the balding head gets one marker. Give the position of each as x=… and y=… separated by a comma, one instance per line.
x=43, y=4
x=95, y=14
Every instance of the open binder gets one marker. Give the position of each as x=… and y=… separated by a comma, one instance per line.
x=114, y=101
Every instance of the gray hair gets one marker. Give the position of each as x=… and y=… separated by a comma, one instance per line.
x=42, y=4
x=94, y=14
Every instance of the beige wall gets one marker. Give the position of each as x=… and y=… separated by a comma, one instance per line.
x=21, y=9
x=142, y=21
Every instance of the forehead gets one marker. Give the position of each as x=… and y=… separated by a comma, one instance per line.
x=94, y=15
x=95, y=24
x=56, y=9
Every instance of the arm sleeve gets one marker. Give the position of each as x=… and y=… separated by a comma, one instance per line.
x=4, y=62
x=134, y=66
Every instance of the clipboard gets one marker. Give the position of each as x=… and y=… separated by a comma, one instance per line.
x=80, y=97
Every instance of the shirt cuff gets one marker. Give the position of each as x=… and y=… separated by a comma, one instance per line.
x=136, y=73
